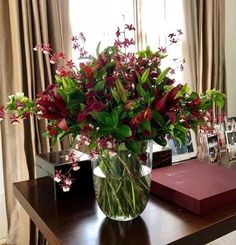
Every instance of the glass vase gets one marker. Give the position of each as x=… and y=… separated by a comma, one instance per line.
x=122, y=181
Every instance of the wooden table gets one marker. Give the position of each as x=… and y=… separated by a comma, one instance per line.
x=77, y=220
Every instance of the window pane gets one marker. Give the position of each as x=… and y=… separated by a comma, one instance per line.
x=98, y=20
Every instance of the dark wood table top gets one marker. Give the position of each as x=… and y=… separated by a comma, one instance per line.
x=76, y=220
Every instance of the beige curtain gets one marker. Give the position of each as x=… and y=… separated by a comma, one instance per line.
x=205, y=35
x=23, y=24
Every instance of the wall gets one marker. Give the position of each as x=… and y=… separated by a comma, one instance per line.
x=230, y=40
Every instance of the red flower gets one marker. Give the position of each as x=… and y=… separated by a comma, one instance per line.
x=82, y=116
x=172, y=116
x=147, y=115
x=86, y=128
x=87, y=70
x=195, y=102
x=143, y=157
x=137, y=119
x=52, y=130
x=62, y=124
x=96, y=106
x=160, y=105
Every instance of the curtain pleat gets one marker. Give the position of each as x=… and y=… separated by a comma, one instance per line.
x=205, y=34
x=23, y=24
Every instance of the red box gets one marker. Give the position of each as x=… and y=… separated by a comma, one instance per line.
x=194, y=185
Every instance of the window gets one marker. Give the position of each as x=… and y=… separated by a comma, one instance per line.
x=98, y=21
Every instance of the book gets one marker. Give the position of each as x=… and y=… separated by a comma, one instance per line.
x=194, y=185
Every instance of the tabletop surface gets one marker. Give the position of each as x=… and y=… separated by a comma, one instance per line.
x=76, y=219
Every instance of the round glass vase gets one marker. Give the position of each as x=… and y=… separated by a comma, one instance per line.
x=122, y=181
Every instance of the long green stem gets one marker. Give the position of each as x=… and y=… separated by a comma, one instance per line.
x=123, y=193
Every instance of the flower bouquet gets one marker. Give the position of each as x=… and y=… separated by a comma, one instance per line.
x=116, y=104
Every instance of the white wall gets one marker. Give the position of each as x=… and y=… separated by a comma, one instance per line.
x=230, y=40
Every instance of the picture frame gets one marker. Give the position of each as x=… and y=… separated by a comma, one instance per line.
x=213, y=148
x=230, y=124
x=231, y=143
x=181, y=152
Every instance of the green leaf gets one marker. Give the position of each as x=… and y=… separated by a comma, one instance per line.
x=104, y=132
x=115, y=96
x=99, y=85
x=181, y=128
x=133, y=146
x=219, y=100
x=146, y=125
x=101, y=116
x=97, y=49
x=148, y=51
x=114, y=116
x=162, y=75
x=186, y=89
x=141, y=91
x=158, y=118
x=145, y=76
x=58, y=79
x=160, y=141
x=121, y=91
x=122, y=132
x=138, y=76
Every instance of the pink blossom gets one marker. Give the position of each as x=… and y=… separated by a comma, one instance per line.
x=129, y=27
x=14, y=119
x=2, y=113
x=58, y=176
x=46, y=49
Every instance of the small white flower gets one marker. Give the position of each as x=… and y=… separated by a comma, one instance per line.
x=14, y=123
x=67, y=157
x=57, y=179
x=76, y=168
x=65, y=188
x=86, y=142
x=76, y=146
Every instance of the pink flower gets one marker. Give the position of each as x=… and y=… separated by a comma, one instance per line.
x=70, y=64
x=58, y=176
x=14, y=119
x=118, y=32
x=46, y=49
x=129, y=27
x=2, y=113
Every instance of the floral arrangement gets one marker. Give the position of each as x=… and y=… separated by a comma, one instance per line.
x=115, y=97
x=116, y=100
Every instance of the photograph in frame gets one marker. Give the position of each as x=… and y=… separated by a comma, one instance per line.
x=231, y=124
x=181, y=152
x=213, y=148
x=231, y=143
